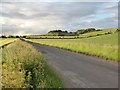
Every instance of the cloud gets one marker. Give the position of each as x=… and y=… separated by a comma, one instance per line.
x=60, y=0
x=39, y=18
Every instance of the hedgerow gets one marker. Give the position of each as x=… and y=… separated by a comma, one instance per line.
x=24, y=67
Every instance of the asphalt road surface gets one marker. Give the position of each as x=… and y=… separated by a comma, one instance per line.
x=80, y=71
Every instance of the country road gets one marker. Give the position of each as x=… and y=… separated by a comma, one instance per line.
x=80, y=71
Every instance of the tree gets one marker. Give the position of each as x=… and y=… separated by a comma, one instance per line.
x=17, y=37
x=24, y=36
x=3, y=36
x=10, y=36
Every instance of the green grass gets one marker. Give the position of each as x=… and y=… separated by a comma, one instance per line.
x=97, y=33
x=24, y=67
x=50, y=37
x=6, y=40
x=86, y=35
x=105, y=46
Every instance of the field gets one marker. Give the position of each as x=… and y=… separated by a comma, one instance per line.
x=86, y=35
x=51, y=37
x=98, y=33
x=6, y=41
x=24, y=67
x=105, y=46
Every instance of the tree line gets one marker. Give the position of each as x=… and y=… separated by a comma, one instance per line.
x=66, y=33
x=11, y=36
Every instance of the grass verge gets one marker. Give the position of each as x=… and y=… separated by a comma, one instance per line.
x=24, y=67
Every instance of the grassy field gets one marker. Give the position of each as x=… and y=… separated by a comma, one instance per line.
x=105, y=46
x=24, y=67
x=5, y=41
x=98, y=33
x=86, y=35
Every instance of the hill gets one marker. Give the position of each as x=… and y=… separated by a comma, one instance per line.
x=82, y=32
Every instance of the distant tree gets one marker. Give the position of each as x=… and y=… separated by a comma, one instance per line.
x=118, y=29
x=24, y=36
x=10, y=36
x=17, y=36
x=82, y=31
x=55, y=31
x=66, y=31
x=90, y=29
x=58, y=33
x=3, y=36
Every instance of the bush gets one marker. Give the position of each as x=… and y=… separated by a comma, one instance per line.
x=24, y=67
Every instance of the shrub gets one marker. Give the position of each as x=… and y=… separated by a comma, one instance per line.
x=24, y=67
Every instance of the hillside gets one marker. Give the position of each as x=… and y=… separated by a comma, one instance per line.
x=59, y=34
x=82, y=32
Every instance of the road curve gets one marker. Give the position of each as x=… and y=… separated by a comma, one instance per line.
x=80, y=71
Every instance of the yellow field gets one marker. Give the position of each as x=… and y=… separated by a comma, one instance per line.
x=7, y=40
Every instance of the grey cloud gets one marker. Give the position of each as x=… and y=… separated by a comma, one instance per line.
x=15, y=29
x=64, y=10
x=104, y=23
x=67, y=15
x=60, y=0
x=9, y=29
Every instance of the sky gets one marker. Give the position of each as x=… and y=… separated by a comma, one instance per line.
x=26, y=18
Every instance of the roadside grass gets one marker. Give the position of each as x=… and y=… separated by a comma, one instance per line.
x=6, y=41
x=24, y=67
x=105, y=46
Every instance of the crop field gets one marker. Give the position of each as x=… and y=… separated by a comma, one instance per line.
x=105, y=46
x=6, y=41
x=24, y=67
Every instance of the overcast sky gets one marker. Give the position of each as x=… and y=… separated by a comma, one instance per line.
x=40, y=17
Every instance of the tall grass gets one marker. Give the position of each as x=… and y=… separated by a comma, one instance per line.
x=105, y=46
x=24, y=67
